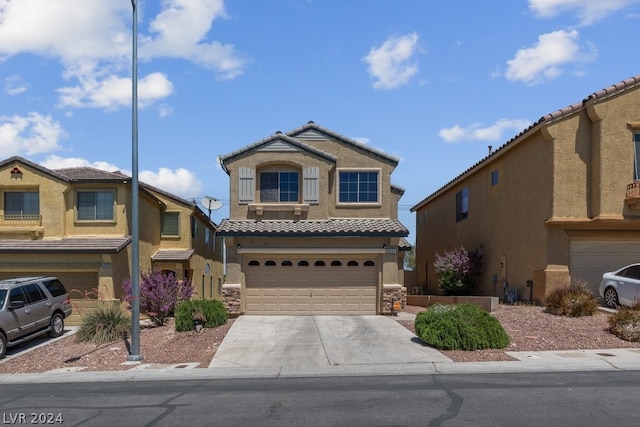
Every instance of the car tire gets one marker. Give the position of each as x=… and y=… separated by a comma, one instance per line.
x=3, y=346
x=56, y=327
x=611, y=298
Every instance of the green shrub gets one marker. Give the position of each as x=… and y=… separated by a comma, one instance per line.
x=213, y=311
x=625, y=324
x=459, y=327
x=572, y=300
x=107, y=323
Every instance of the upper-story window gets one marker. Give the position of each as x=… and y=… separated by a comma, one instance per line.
x=462, y=204
x=96, y=205
x=495, y=177
x=636, y=148
x=171, y=223
x=358, y=187
x=279, y=186
x=21, y=203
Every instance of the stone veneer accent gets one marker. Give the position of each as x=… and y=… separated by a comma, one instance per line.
x=231, y=298
x=391, y=293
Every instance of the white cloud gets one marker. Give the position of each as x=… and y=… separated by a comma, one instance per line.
x=31, y=134
x=545, y=59
x=392, y=64
x=114, y=92
x=180, y=32
x=13, y=85
x=57, y=162
x=92, y=41
x=588, y=11
x=475, y=132
x=180, y=182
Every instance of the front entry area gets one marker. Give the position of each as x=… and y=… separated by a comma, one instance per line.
x=308, y=285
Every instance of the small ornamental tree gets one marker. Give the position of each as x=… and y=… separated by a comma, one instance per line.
x=159, y=294
x=458, y=269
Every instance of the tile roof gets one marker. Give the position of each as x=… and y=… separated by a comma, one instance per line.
x=69, y=245
x=34, y=166
x=92, y=174
x=542, y=122
x=358, y=227
x=172, y=255
x=404, y=244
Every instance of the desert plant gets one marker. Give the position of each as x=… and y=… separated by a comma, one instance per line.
x=159, y=294
x=458, y=269
x=107, y=323
x=459, y=327
x=212, y=311
x=625, y=323
x=573, y=300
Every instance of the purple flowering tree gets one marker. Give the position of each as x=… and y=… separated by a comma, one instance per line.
x=458, y=269
x=159, y=294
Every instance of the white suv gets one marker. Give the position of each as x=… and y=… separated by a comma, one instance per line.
x=29, y=307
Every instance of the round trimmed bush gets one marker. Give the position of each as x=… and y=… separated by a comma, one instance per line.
x=213, y=311
x=460, y=327
x=574, y=300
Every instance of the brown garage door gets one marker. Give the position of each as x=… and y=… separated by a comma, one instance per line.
x=311, y=286
x=78, y=285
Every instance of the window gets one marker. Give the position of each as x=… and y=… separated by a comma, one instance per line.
x=494, y=177
x=95, y=205
x=336, y=263
x=636, y=150
x=462, y=204
x=194, y=228
x=369, y=263
x=303, y=263
x=286, y=263
x=21, y=203
x=358, y=187
x=319, y=264
x=33, y=292
x=207, y=236
x=170, y=223
x=254, y=263
x=270, y=263
x=279, y=187
x=352, y=264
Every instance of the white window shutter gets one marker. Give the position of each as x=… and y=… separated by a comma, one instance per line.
x=247, y=185
x=311, y=185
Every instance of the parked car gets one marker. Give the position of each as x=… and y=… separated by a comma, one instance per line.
x=29, y=307
x=621, y=287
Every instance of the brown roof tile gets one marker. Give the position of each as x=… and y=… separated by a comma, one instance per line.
x=358, y=227
x=172, y=255
x=70, y=245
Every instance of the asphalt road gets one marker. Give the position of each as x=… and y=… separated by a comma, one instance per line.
x=551, y=399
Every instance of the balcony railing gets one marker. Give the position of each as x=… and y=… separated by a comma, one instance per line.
x=633, y=189
x=20, y=220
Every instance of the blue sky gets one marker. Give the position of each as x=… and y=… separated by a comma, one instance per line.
x=431, y=82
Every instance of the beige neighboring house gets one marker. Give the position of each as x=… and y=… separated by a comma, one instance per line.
x=313, y=227
x=559, y=201
x=75, y=224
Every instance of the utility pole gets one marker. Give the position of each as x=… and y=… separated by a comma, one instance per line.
x=134, y=353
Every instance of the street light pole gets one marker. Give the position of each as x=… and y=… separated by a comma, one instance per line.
x=134, y=352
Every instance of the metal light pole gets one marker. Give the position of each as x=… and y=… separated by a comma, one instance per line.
x=134, y=353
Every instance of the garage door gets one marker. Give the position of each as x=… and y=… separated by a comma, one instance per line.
x=591, y=258
x=308, y=286
x=78, y=284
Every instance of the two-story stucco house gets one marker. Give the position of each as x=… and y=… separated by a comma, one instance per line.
x=313, y=226
x=75, y=224
x=558, y=202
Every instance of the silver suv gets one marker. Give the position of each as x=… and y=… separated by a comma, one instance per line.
x=29, y=307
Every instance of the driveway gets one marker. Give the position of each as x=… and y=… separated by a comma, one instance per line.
x=320, y=341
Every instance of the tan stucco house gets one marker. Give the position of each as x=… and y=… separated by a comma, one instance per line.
x=313, y=226
x=75, y=224
x=558, y=202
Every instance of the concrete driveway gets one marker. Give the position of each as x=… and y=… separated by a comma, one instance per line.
x=320, y=341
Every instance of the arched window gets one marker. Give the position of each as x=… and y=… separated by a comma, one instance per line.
x=319, y=263
x=286, y=263
x=270, y=263
x=303, y=263
x=336, y=263
x=254, y=263
x=352, y=263
x=369, y=263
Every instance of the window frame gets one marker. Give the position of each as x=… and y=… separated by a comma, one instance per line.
x=359, y=191
x=285, y=187
x=96, y=205
x=22, y=202
x=462, y=204
x=163, y=226
x=636, y=157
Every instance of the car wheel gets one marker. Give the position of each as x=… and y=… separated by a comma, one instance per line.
x=3, y=346
x=57, y=326
x=611, y=298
